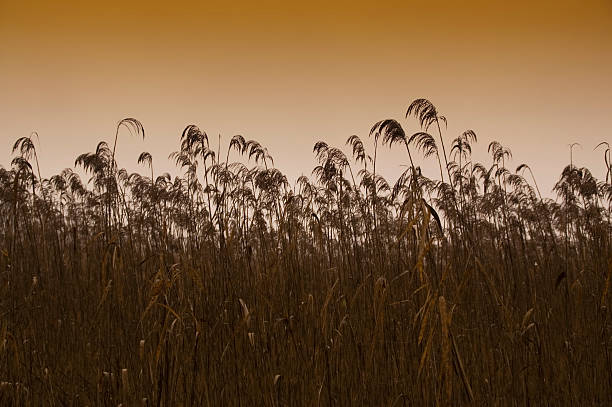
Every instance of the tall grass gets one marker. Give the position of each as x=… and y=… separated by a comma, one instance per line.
x=228, y=286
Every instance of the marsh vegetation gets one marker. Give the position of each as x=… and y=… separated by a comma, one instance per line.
x=227, y=285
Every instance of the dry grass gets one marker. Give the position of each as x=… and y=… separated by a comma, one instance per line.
x=228, y=287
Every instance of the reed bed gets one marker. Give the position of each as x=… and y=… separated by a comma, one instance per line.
x=229, y=286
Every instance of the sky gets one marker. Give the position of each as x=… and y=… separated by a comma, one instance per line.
x=535, y=76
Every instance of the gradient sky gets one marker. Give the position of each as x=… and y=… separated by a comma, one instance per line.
x=535, y=77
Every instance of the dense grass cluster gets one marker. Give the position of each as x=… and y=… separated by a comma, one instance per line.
x=229, y=286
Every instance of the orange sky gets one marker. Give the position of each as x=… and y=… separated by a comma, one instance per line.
x=533, y=77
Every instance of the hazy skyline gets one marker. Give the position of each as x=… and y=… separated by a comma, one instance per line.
x=534, y=77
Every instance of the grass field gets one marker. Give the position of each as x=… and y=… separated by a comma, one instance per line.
x=228, y=286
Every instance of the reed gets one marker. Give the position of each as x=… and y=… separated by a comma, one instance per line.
x=228, y=286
